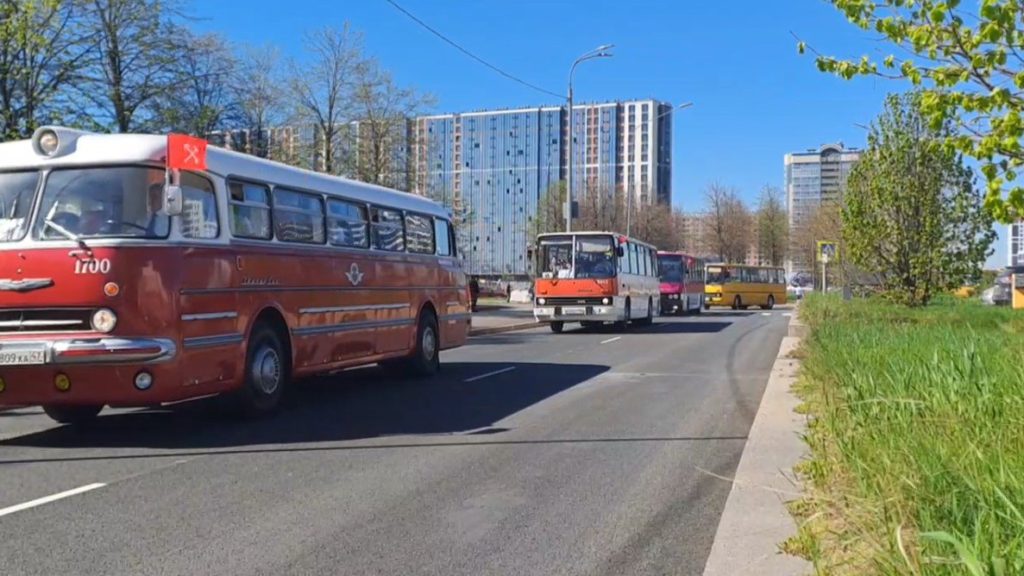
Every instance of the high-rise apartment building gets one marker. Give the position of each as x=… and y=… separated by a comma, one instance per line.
x=493, y=168
x=814, y=177
x=1015, y=244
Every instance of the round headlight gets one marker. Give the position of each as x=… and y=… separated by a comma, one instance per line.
x=48, y=142
x=541, y=301
x=143, y=380
x=605, y=301
x=104, y=320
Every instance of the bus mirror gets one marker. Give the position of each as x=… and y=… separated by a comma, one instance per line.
x=173, y=203
x=620, y=251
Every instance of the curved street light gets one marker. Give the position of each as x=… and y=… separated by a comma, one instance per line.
x=599, y=52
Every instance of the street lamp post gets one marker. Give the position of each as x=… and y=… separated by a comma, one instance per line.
x=629, y=189
x=599, y=52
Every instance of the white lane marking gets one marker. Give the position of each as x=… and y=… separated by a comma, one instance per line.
x=489, y=374
x=787, y=314
x=48, y=499
x=611, y=340
x=766, y=313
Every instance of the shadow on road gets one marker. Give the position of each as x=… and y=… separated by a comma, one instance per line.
x=355, y=404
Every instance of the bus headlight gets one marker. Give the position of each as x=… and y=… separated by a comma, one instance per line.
x=541, y=301
x=104, y=320
x=48, y=142
x=606, y=301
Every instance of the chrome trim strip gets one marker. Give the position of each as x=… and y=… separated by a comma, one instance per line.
x=215, y=340
x=270, y=288
x=208, y=316
x=366, y=308
x=105, y=350
x=452, y=303
x=351, y=326
x=38, y=323
x=457, y=316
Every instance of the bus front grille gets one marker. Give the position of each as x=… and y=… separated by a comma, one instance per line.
x=45, y=320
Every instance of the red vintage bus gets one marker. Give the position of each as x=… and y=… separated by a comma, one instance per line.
x=682, y=283
x=593, y=278
x=137, y=270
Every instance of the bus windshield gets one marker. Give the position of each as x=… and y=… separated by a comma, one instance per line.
x=715, y=275
x=671, y=268
x=101, y=202
x=17, y=189
x=593, y=257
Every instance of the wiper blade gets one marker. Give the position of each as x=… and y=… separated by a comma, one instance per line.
x=66, y=233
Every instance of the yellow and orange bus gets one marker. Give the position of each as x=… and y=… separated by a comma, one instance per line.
x=739, y=286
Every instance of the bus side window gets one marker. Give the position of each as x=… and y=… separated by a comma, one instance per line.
x=298, y=217
x=250, y=210
x=387, y=231
x=419, y=234
x=199, y=219
x=347, y=224
x=443, y=237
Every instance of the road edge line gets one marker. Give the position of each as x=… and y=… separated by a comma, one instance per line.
x=755, y=520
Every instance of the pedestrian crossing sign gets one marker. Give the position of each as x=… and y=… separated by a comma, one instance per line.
x=828, y=251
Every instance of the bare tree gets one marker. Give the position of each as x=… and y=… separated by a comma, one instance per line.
x=382, y=109
x=772, y=226
x=729, y=226
x=203, y=99
x=322, y=88
x=42, y=47
x=135, y=64
x=260, y=96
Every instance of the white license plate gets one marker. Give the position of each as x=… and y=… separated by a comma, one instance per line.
x=22, y=357
x=574, y=310
x=543, y=311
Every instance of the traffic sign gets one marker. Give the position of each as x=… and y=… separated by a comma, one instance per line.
x=828, y=251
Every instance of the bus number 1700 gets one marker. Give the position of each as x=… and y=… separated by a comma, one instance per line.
x=93, y=266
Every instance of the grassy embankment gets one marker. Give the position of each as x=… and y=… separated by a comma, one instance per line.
x=916, y=439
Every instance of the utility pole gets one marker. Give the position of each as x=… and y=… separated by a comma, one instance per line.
x=599, y=52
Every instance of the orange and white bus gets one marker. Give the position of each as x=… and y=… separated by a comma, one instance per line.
x=682, y=283
x=595, y=277
x=137, y=270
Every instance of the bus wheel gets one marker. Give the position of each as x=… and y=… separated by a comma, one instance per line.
x=737, y=303
x=557, y=327
x=427, y=359
x=771, y=303
x=75, y=415
x=266, y=372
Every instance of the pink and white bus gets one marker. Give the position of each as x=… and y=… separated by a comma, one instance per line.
x=682, y=283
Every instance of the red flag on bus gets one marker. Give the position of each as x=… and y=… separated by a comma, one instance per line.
x=186, y=152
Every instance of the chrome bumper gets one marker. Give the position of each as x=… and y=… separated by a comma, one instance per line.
x=109, y=350
x=589, y=314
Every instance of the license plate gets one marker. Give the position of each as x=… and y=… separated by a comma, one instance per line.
x=574, y=310
x=22, y=357
x=543, y=311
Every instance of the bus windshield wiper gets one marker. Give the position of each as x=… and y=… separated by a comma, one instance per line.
x=66, y=233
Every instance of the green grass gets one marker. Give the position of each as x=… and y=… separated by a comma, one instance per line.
x=916, y=437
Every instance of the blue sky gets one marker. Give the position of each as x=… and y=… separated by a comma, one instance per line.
x=754, y=97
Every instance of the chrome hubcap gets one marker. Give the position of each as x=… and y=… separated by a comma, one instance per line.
x=429, y=344
x=266, y=370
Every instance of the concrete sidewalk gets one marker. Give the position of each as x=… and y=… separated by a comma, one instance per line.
x=493, y=317
x=755, y=521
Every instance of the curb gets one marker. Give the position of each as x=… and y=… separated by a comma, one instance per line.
x=500, y=329
x=755, y=520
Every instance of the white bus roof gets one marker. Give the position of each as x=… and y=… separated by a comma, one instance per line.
x=98, y=149
x=593, y=233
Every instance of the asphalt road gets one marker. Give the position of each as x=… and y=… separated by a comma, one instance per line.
x=533, y=453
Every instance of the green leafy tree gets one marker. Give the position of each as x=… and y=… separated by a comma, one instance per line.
x=772, y=226
x=970, y=68
x=42, y=46
x=913, y=216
